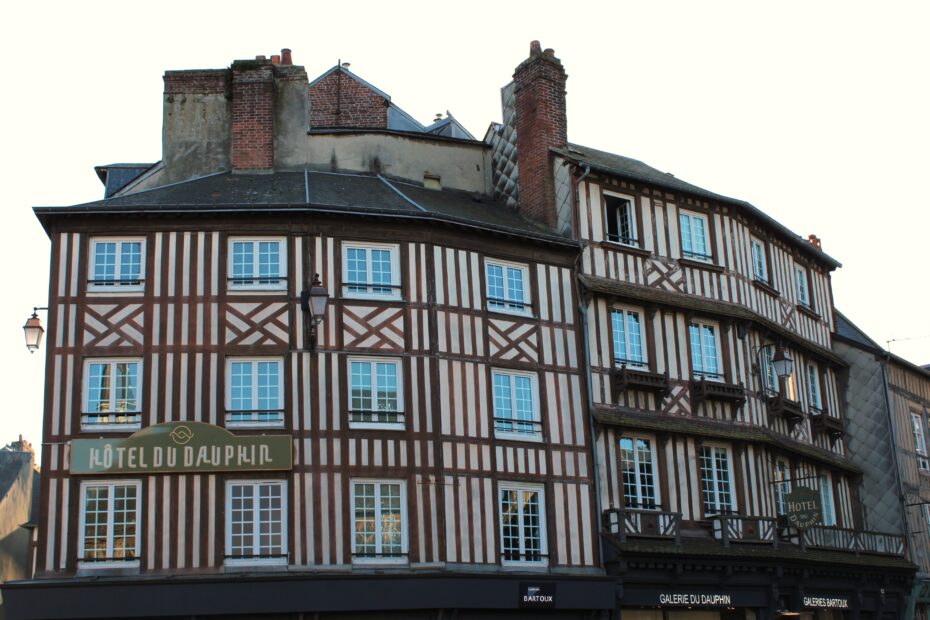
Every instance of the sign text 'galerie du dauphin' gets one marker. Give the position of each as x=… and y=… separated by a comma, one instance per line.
x=181, y=447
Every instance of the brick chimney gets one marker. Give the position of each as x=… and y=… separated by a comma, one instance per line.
x=253, y=114
x=541, y=123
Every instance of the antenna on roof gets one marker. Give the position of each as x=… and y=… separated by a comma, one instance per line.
x=888, y=342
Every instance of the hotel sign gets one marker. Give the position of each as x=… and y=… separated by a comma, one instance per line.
x=181, y=447
x=802, y=508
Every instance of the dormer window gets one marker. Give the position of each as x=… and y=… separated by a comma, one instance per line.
x=620, y=219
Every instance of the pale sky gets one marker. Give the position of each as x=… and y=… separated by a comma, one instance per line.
x=818, y=113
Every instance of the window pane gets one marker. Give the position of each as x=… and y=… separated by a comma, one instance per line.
x=502, y=401
x=96, y=508
x=619, y=332
x=494, y=275
x=268, y=385
x=365, y=541
x=361, y=398
x=684, y=221
x=700, y=236
x=515, y=287
x=98, y=388
x=390, y=518
x=126, y=387
x=510, y=524
x=634, y=338
x=357, y=267
x=381, y=271
x=105, y=262
x=826, y=501
x=242, y=261
x=269, y=262
x=709, y=350
x=130, y=261
x=387, y=387
x=532, y=532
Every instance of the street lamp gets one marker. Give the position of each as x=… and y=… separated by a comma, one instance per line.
x=314, y=301
x=33, y=330
x=781, y=363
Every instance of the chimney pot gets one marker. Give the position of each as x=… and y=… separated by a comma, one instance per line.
x=260, y=58
x=814, y=241
x=549, y=52
x=286, y=57
x=275, y=59
x=535, y=48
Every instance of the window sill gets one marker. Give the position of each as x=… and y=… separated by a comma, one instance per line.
x=376, y=562
x=110, y=428
x=524, y=437
x=118, y=292
x=765, y=287
x=512, y=312
x=109, y=567
x=383, y=426
x=252, y=564
x=699, y=264
x=630, y=249
x=808, y=312
x=265, y=290
x=254, y=425
x=518, y=565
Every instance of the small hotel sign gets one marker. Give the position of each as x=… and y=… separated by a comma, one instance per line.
x=175, y=447
x=803, y=508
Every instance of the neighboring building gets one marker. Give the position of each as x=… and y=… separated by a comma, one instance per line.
x=888, y=407
x=545, y=383
x=19, y=492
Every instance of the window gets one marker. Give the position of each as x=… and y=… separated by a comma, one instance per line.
x=506, y=287
x=516, y=410
x=705, y=349
x=254, y=389
x=920, y=446
x=770, y=377
x=375, y=393
x=523, y=524
x=257, y=264
x=760, y=269
x=813, y=389
x=111, y=394
x=826, y=501
x=627, y=333
x=370, y=271
x=782, y=486
x=638, y=463
x=715, y=480
x=620, y=219
x=109, y=525
x=694, y=236
x=380, y=516
x=256, y=530
x=116, y=265
x=801, y=285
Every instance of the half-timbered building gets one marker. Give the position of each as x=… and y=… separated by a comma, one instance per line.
x=888, y=402
x=713, y=389
x=215, y=446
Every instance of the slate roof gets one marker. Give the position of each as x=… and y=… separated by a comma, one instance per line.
x=703, y=427
x=318, y=192
x=849, y=332
x=633, y=169
x=757, y=553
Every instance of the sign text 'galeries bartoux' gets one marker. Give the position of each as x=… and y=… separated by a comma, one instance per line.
x=181, y=447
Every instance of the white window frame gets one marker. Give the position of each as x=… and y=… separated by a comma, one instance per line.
x=715, y=481
x=639, y=483
x=111, y=486
x=718, y=350
x=920, y=443
x=540, y=490
x=404, y=536
x=634, y=241
x=136, y=415
x=814, y=394
x=770, y=382
x=399, y=424
x=370, y=292
x=116, y=287
x=256, y=421
x=506, y=305
x=627, y=359
x=280, y=283
x=760, y=267
x=782, y=474
x=692, y=254
x=802, y=286
x=535, y=423
x=257, y=560
x=825, y=483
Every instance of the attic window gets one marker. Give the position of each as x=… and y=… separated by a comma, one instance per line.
x=432, y=181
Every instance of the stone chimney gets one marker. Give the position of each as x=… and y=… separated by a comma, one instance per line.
x=541, y=123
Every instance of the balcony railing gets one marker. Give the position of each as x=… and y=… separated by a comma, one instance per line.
x=737, y=528
x=626, y=378
x=642, y=523
x=625, y=523
x=703, y=390
x=785, y=408
x=826, y=424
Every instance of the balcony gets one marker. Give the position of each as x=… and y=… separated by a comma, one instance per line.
x=625, y=378
x=733, y=529
x=784, y=408
x=739, y=529
x=642, y=523
x=703, y=390
x=824, y=424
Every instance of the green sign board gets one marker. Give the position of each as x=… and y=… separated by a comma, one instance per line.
x=177, y=447
x=803, y=508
